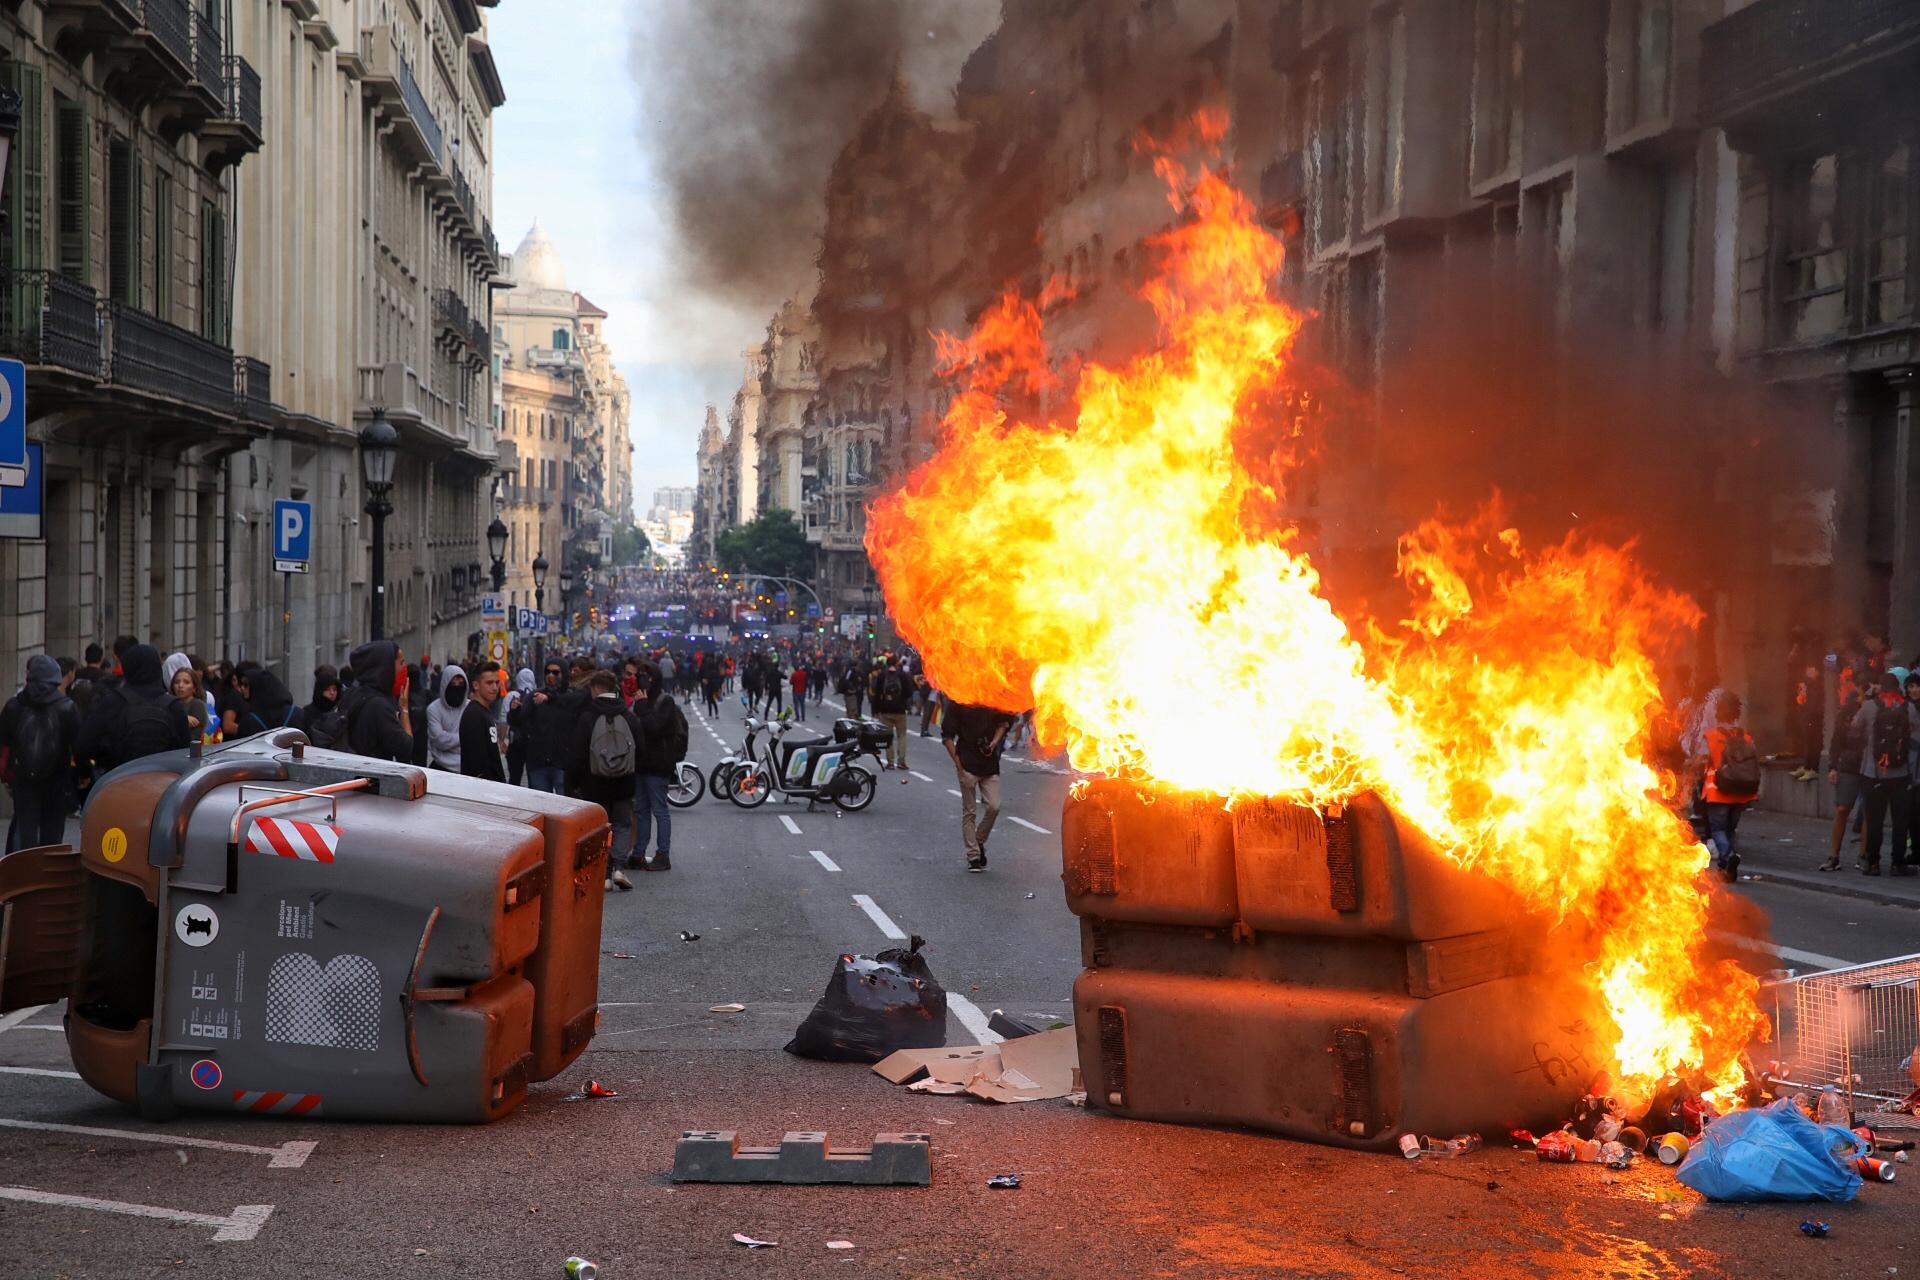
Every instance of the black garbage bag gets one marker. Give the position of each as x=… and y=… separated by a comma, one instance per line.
x=873, y=1006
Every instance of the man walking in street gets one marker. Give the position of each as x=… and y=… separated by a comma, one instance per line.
x=663, y=745
x=1887, y=725
x=39, y=728
x=480, y=729
x=798, y=683
x=602, y=757
x=973, y=737
x=892, y=692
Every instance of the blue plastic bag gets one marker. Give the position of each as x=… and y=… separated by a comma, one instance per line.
x=1775, y=1153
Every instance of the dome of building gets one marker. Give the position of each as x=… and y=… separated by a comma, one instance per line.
x=536, y=263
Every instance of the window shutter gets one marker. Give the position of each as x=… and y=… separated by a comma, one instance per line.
x=120, y=229
x=74, y=181
x=136, y=226
x=27, y=183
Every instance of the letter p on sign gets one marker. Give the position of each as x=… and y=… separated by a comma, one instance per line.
x=292, y=535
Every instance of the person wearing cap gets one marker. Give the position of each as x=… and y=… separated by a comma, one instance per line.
x=1887, y=725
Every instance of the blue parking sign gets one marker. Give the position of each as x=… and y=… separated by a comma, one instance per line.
x=23, y=507
x=13, y=423
x=292, y=535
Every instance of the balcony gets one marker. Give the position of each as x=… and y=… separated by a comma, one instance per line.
x=1765, y=58
x=552, y=358
x=145, y=353
x=209, y=56
x=451, y=316
x=50, y=321
x=238, y=130
x=479, y=340
x=170, y=24
x=252, y=389
x=389, y=80
x=410, y=405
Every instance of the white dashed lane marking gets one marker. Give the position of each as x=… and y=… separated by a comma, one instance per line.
x=923, y=777
x=879, y=917
x=288, y=1155
x=953, y=793
x=41, y=1071
x=18, y=1016
x=1028, y=825
x=820, y=857
x=972, y=1019
x=793, y=828
x=243, y=1223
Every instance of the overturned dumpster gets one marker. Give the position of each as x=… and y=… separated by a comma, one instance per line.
x=274, y=929
x=1323, y=976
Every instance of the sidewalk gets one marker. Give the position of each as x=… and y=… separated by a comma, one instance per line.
x=1787, y=850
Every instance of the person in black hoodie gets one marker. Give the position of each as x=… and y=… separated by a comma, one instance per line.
x=479, y=731
x=378, y=724
x=264, y=702
x=606, y=786
x=39, y=728
x=322, y=720
x=663, y=746
x=138, y=717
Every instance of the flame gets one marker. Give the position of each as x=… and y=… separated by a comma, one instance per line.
x=1095, y=546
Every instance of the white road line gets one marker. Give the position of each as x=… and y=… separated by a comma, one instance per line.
x=879, y=917
x=37, y=1026
x=288, y=1155
x=40, y=1071
x=1785, y=953
x=923, y=777
x=824, y=860
x=1028, y=825
x=18, y=1016
x=243, y=1223
x=972, y=1019
x=953, y=793
x=793, y=828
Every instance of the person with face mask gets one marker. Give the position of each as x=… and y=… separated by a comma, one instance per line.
x=322, y=720
x=547, y=718
x=443, y=720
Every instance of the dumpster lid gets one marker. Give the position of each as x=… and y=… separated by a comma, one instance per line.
x=40, y=895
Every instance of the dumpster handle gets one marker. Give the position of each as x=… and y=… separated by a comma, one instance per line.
x=288, y=797
x=408, y=997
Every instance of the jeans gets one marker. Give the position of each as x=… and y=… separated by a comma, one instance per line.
x=651, y=810
x=1722, y=821
x=1885, y=794
x=928, y=707
x=620, y=818
x=897, y=753
x=516, y=762
x=974, y=833
x=853, y=704
x=39, y=814
x=551, y=778
x=800, y=706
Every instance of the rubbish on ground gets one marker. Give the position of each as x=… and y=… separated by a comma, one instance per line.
x=873, y=1006
x=842, y=1244
x=1492, y=1185
x=1876, y=1169
x=689, y=937
x=1831, y=1109
x=1004, y=1182
x=1900, y=1156
x=621, y=955
x=1615, y=1155
x=1007, y=1027
x=1672, y=1148
x=1774, y=1153
x=579, y=1269
x=1029, y=895
x=1027, y=1069
x=1817, y=1230
x=1633, y=1139
x=592, y=1089
x=1412, y=1146
x=727, y=1008
x=1521, y=1138
x=751, y=1243
x=1556, y=1148
x=715, y=1155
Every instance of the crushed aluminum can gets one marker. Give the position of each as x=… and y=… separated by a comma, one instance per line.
x=1004, y=1182
x=1815, y=1230
x=581, y=1269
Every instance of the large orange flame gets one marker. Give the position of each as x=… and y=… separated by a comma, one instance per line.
x=1119, y=569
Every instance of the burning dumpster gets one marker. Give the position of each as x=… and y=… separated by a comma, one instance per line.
x=273, y=929
x=1328, y=977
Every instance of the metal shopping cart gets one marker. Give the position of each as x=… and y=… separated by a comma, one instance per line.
x=1857, y=1028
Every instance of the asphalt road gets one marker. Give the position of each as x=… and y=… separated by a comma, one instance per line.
x=775, y=896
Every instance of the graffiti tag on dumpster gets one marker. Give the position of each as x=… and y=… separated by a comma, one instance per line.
x=1555, y=1067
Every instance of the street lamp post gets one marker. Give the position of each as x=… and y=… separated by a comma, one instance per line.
x=379, y=450
x=497, y=548
x=540, y=607
x=566, y=599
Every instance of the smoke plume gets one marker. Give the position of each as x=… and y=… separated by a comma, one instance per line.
x=747, y=103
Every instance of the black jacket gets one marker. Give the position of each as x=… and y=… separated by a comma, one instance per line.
x=42, y=689
x=101, y=737
x=549, y=726
x=581, y=781
x=267, y=706
x=480, y=743
x=373, y=717
x=656, y=715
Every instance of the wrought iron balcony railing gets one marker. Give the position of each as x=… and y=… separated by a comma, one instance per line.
x=450, y=310
x=209, y=54
x=50, y=319
x=148, y=354
x=252, y=389
x=423, y=117
x=243, y=93
x=171, y=22
x=1774, y=46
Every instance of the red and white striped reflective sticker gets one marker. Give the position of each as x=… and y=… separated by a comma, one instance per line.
x=276, y=1104
x=291, y=838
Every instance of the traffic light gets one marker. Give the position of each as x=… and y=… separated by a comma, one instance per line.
x=576, y=619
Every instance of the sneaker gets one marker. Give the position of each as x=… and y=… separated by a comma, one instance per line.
x=1731, y=869
x=618, y=880
x=976, y=864
x=661, y=862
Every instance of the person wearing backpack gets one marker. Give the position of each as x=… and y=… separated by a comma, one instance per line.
x=892, y=691
x=322, y=720
x=1730, y=782
x=135, y=718
x=606, y=752
x=663, y=745
x=1887, y=725
x=39, y=728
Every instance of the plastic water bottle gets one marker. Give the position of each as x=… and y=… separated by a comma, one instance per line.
x=1446, y=1148
x=1830, y=1110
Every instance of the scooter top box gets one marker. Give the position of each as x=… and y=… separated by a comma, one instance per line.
x=1134, y=854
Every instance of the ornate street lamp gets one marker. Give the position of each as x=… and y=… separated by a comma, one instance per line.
x=540, y=583
x=566, y=598
x=497, y=548
x=379, y=452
